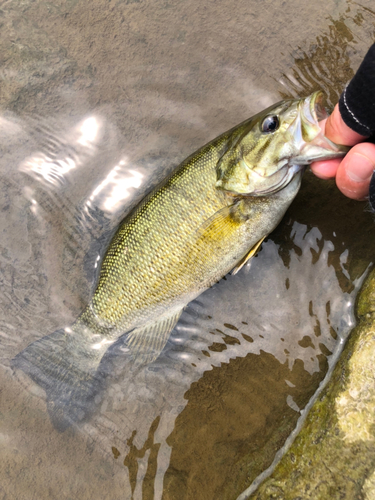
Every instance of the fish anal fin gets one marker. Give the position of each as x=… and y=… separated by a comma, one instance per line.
x=248, y=256
x=146, y=342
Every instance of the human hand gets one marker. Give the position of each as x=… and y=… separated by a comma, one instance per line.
x=353, y=172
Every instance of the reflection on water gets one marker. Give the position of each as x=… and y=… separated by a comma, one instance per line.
x=326, y=64
x=205, y=418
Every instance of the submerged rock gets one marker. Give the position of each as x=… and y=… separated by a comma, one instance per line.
x=333, y=456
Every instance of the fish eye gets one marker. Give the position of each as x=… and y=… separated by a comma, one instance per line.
x=270, y=124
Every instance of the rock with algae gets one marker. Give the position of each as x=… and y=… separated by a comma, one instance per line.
x=333, y=457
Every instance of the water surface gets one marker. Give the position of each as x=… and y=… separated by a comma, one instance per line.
x=100, y=101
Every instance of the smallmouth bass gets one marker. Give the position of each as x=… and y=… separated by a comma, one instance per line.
x=206, y=219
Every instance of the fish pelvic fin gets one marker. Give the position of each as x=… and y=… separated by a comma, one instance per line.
x=70, y=379
x=248, y=256
x=146, y=342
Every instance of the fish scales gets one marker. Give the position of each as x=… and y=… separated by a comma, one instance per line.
x=156, y=238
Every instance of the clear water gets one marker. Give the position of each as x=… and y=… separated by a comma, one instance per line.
x=99, y=102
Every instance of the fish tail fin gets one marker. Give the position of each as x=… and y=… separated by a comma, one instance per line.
x=67, y=365
x=69, y=378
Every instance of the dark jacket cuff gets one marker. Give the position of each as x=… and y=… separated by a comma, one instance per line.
x=357, y=102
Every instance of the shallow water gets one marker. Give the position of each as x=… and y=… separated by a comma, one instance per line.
x=99, y=102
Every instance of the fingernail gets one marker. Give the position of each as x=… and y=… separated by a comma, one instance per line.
x=360, y=168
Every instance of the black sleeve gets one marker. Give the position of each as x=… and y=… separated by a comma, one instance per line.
x=357, y=102
x=371, y=194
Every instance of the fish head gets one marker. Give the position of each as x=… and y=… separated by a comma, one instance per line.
x=277, y=144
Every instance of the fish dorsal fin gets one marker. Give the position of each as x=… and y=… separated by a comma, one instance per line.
x=146, y=342
x=248, y=256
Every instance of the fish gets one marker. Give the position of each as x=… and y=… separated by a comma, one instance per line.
x=207, y=218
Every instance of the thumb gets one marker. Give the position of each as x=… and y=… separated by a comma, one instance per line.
x=337, y=131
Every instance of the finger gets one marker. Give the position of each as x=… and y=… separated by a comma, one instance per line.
x=337, y=131
x=355, y=171
x=326, y=169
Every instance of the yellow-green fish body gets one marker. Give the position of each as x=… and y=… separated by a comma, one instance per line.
x=179, y=241
x=200, y=223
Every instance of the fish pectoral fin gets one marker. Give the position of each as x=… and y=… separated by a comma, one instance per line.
x=217, y=221
x=248, y=256
x=225, y=221
x=219, y=225
x=147, y=342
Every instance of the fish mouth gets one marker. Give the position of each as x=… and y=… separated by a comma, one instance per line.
x=313, y=109
x=314, y=145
